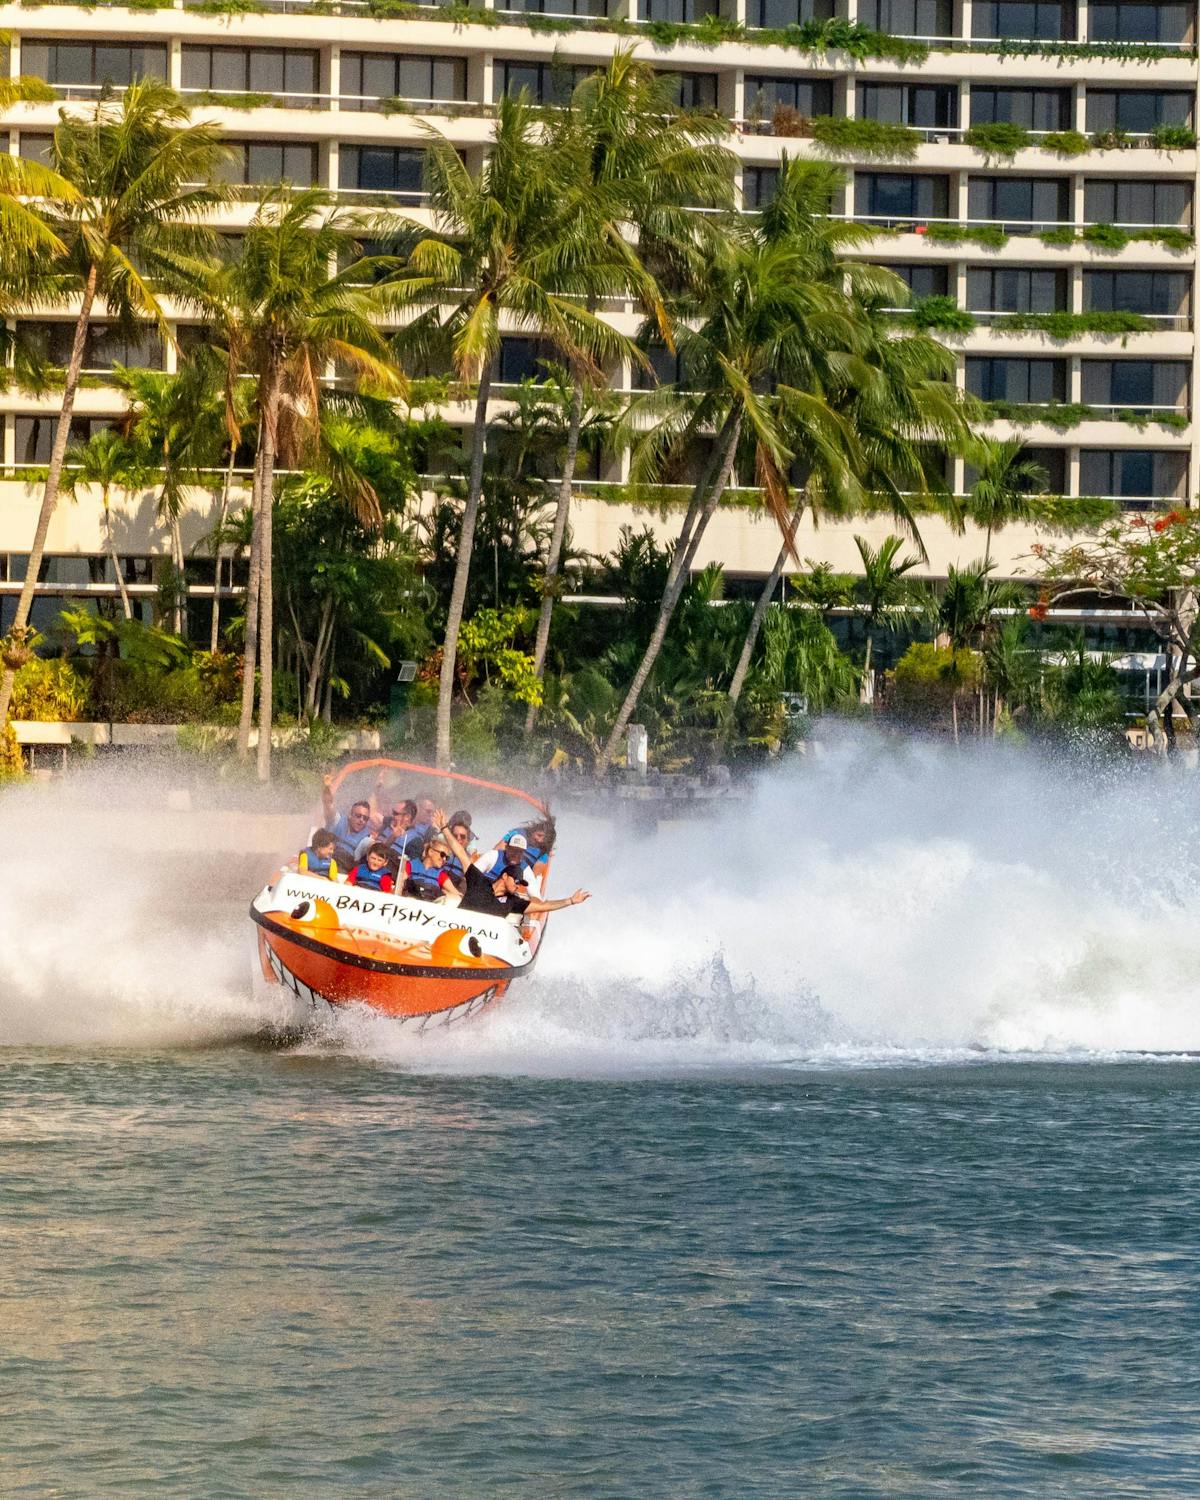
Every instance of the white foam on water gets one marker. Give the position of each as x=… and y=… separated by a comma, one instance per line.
x=885, y=904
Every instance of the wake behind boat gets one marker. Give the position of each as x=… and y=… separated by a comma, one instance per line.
x=420, y=961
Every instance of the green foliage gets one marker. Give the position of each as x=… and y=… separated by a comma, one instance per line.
x=1065, y=142
x=858, y=41
x=1067, y=325
x=999, y=140
x=927, y=679
x=1173, y=138
x=1062, y=236
x=487, y=650
x=1105, y=237
x=990, y=236
x=941, y=314
x=870, y=138
x=1071, y=513
x=1169, y=236
x=1115, y=139
x=231, y=101
x=12, y=765
x=46, y=690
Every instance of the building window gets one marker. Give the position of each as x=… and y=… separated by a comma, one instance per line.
x=258, y=163
x=34, y=147
x=806, y=96
x=523, y=359
x=927, y=105
x=557, y=7
x=1137, y=111
x=759, y=186
x=91, y=65
x=1024, y=20
x=1027, y=380
x=1109, y=21
x=666, y=368
x=545, y=83
x=777, y=14
x=899, y=195
x=1021, y=204
x=1106, y=202
x=694, y=90
x=396, y=170
x=1035, y=109
x=106, y=345
x=683, y=12
x=368, y=77
x=1152, y=293
x=1015, y=289
x=1135, y=383
x=253, y=70
x=35, y=435
x=923, y=281
x=908, y=17
x=1133, y=473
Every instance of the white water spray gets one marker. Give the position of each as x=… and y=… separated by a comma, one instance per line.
x=881, y=904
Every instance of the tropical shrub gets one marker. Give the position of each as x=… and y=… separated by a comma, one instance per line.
x=927, y=679
x=999, y=140
x=49, y=690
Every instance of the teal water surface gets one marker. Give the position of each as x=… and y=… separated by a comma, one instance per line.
x=234, y=1273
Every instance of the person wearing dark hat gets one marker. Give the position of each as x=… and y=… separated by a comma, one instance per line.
x=505, y=891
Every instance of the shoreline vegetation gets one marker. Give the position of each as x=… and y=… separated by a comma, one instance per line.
x=770, y=369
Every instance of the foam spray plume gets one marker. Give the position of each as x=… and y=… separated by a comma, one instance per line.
x=880, y=904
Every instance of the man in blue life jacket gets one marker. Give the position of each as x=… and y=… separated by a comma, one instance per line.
x=350, y=828
x=397, y=827
x=422, y=826
x=502, y=894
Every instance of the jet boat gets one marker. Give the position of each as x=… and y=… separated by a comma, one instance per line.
x=417, y=961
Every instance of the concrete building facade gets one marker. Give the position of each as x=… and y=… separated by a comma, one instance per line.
x=1029, y=167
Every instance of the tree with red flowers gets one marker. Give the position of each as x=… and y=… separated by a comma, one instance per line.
x=1152, y=563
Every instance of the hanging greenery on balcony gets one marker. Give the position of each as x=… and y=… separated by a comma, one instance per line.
x=870, y=138
x=990, y=236
x=939, y=314
x=1065, y=142
x=999, y=140
x=1066, y=325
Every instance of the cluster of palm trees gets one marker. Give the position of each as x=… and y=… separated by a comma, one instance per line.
x=790, y=368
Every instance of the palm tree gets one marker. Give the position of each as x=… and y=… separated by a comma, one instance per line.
x=106, y=460
x=776, y=329
x=887, y=590
x=133, y=209
x=281, y=317
x=966, y=610
x=642, y=162
x=511, y=237
x=1005, y=489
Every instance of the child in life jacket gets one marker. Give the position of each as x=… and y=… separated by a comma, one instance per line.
x=317, y=859
x=372, y=873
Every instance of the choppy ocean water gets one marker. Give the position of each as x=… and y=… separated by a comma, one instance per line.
x=844, y=1145
x=231, y=1272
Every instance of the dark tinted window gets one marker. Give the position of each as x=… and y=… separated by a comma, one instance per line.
x=808, y=96
x=1162, y=293
x=1122, y=22
x=923, y=281
x=1132, y=472
x=382, y=169
x=759, y=186
x=1106, y=202
x=908, y=17
x=1015, y=289
x=287, y=71
x=676, y=10
x=1023, y=20
x=1036, y=109
x=546, y=83
x=88, y=63
x=1137, y=110
x=1017, y=379
x=1020, y=202
x=1135, y=382
x=922, y=104
x=35, y=435
x=263, y=162
x=897, y=195
x=370, y=76
x=776, y=14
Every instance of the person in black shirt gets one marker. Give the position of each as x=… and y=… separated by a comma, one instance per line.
x=503, y=894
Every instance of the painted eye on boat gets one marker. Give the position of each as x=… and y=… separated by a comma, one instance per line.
x=300, y=912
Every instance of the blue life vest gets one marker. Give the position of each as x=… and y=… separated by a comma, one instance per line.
x=368, y=879
x=529, y=856
x=422, y=881
x=318, y=864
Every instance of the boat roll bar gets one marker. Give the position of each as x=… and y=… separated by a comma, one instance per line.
x=433, y=773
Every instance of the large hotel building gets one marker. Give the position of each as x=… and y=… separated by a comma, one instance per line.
x=1060, y=250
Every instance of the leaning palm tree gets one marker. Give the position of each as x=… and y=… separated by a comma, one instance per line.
x=133, y=165
x=639, y=161
x=1005, y=489
x=776, y=330
x=503, y=244
x=107, y=461
x=280, y=316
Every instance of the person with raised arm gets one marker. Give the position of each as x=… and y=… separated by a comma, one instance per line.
x=503, y=893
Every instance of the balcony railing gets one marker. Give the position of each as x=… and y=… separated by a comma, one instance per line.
x=797, y=128
x=919, y=223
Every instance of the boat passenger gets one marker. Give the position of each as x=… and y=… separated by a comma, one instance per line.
x=460, y=822
x=350, y=828
x=395, y=830
x=372, y=873
x=318, y=857
x=426, y=877
x=505, y=894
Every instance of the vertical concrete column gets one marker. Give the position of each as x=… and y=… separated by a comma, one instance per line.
x=1073, y=471
x=959, y=196
x=175, y=63
x=964, y=105
x=1082, y=23
x=479, y=78
x=331, y=70
x=965, y=18
x=1077, y=201
x=848, y=86
x=1079, y=101
x=1075, y=291
x=10, y=441
x=330, y=172
x=958, y=282
x=731, y=91
x=170, y=351
x=1074, y=379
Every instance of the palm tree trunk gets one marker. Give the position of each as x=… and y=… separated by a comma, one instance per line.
x=741, y=671
x=50, y=491
x=116, y=561
x=227, y=485
x=266, y=608
x=179, y=607
x=699, y=514
x=462, y=571
x=554, y=553
x=253, y=581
